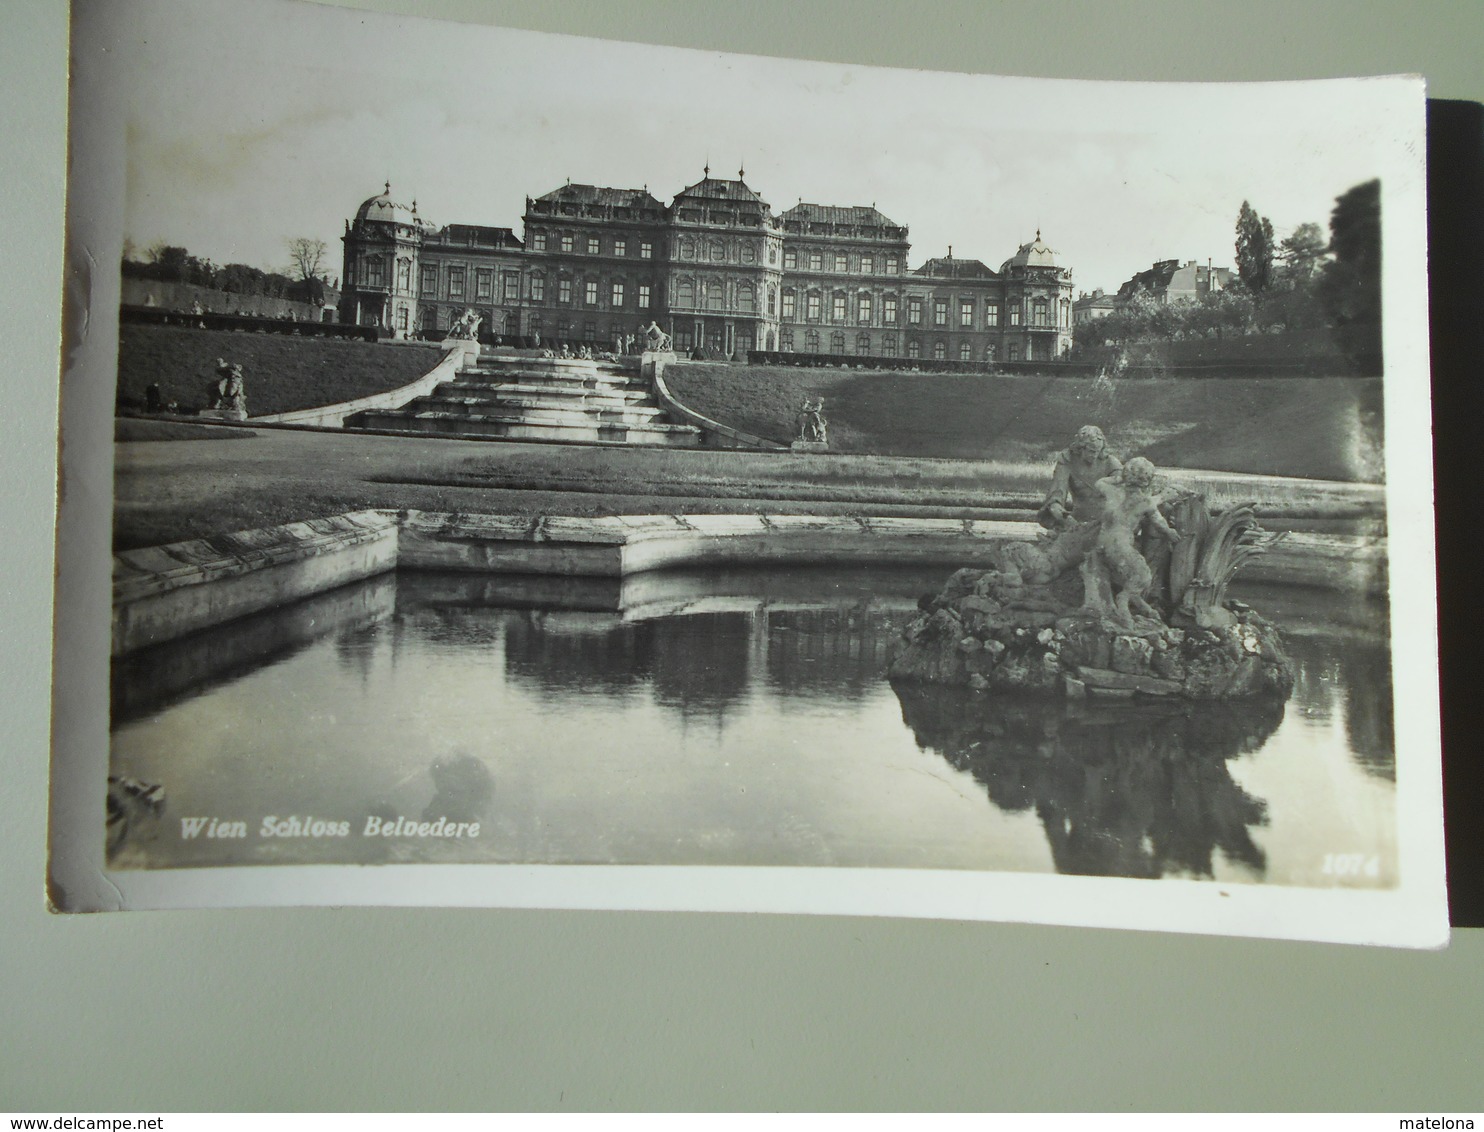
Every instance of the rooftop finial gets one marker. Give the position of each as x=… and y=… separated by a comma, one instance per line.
x=388, y=188
x=741, y=171
x=1038, y=234
x=706, y=169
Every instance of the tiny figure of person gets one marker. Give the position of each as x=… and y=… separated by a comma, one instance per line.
x=1073, y=496
x=154, y=402
x=1129, y=500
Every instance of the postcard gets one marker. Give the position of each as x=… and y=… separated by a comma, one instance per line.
x=505, y=469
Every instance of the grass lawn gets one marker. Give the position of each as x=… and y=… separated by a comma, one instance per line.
x=136, y=428
x=282, y=372
x=1321, y=428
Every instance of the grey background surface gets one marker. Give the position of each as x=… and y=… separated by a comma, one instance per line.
x=465, y=1009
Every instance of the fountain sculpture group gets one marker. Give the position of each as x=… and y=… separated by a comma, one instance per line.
x=1122, y=595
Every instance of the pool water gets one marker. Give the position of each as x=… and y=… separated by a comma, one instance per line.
x=732, y=718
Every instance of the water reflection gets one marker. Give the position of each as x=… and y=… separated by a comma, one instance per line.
x=1121, y=789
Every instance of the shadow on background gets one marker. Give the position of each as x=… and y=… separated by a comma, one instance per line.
x=1455, y=238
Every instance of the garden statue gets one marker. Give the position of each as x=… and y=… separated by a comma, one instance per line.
x=813, y=427
x=656, y=339
x=1123, y=593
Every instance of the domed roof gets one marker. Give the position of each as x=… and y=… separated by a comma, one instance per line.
x=1033, y=254
x=387, y=211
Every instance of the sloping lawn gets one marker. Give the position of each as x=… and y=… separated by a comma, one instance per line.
x=281, y=372
x=1323, y=428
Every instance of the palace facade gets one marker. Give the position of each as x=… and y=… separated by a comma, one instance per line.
x=715, y=267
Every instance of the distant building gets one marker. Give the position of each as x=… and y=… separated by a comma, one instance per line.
x=1171, y=281
x=1088, y=308
x=715, y=267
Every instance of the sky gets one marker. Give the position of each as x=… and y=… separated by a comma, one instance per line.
x=251, y=123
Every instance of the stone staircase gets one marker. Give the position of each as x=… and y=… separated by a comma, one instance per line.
x=525, y=397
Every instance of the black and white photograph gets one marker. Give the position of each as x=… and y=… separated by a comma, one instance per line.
x=510, y=469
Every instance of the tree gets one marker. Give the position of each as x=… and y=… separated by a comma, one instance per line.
x=1302, y=254
x=1254, y=249
x=1351, y=283
x=307, y=256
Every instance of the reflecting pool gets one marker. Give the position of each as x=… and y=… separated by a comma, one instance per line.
x=737, y=718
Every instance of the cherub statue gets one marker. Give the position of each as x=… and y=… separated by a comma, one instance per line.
x=1129, y=499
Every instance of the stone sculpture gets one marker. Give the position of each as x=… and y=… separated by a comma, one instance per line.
x=466, y=329
x=657, y=340
x=1123, y=594
x=813, y=428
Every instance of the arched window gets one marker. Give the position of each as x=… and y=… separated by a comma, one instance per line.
x=914, y=348
x=786, y=340
x=772, y=300
x=889, y=345
x=862, y=343
x=746, y=298
x=837, y=342
x=718, y=251
x=965, y=352
x=940, y=350
x=989, y=352
x=1066, y=312
x=811, y=341
x=685, y=293
x=716, y=295
x=687, y=248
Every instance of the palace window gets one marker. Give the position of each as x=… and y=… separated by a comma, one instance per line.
x=790, y=302
x=989, y=352
x=940, y=312
x=889, y=310
x=455, y=282
x=816, y=261
x=643, y=296
x=1015, y=316
x=535, y=324
x=749, y=255
x=863, y=310
x=891, y=265
x=683, y=340
x=566, y=243
x=839, y=262
x=914, y=311
x=862, y=343
x=646, y=250
x=484, y=284
x=685, y=293
x=811, y=341
x=790, y=260
x=868, y=265
x=746, y=298
x=837, y=307
x=914, y=348
x=404, y=276
x=592, y=245
x=786, y=340
x=940, y=351
x=512, y=286
x=1066, y=313
x=617, y=297
x=813, y=306
x=965, y=352
x=620, y=247
x=538, y=241
x=716, y=295
x=538, y=288
x=564, y=290
x=772, y=300
x=889, y=345
x=589, y=331
x=1040, y=309
x=430, y=279
x=1014, y=354
x=402, y=319
x=375, y=272
x=966, y=313
x=772, y=253
x=590, y=292
x=837, y=343
x=992, y=315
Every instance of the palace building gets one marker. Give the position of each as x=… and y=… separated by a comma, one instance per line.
x=715, y=267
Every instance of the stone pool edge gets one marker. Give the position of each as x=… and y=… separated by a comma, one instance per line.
x=164, y=592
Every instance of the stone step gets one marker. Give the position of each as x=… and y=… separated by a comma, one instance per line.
x=551, y=394
x=574, y=430
x=506, y=410
x=538, y=381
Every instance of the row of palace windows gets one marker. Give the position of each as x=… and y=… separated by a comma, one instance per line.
x=713, y=297
x=716, y=250
x=887, y=347
x=1038, y=312
x=589, y=245
x=839, y=262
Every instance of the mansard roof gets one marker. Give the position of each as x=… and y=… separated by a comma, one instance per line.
x=1156, y=278
x=950, y=267
x=600, y=195
x=718, y=188
x=859, y=215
